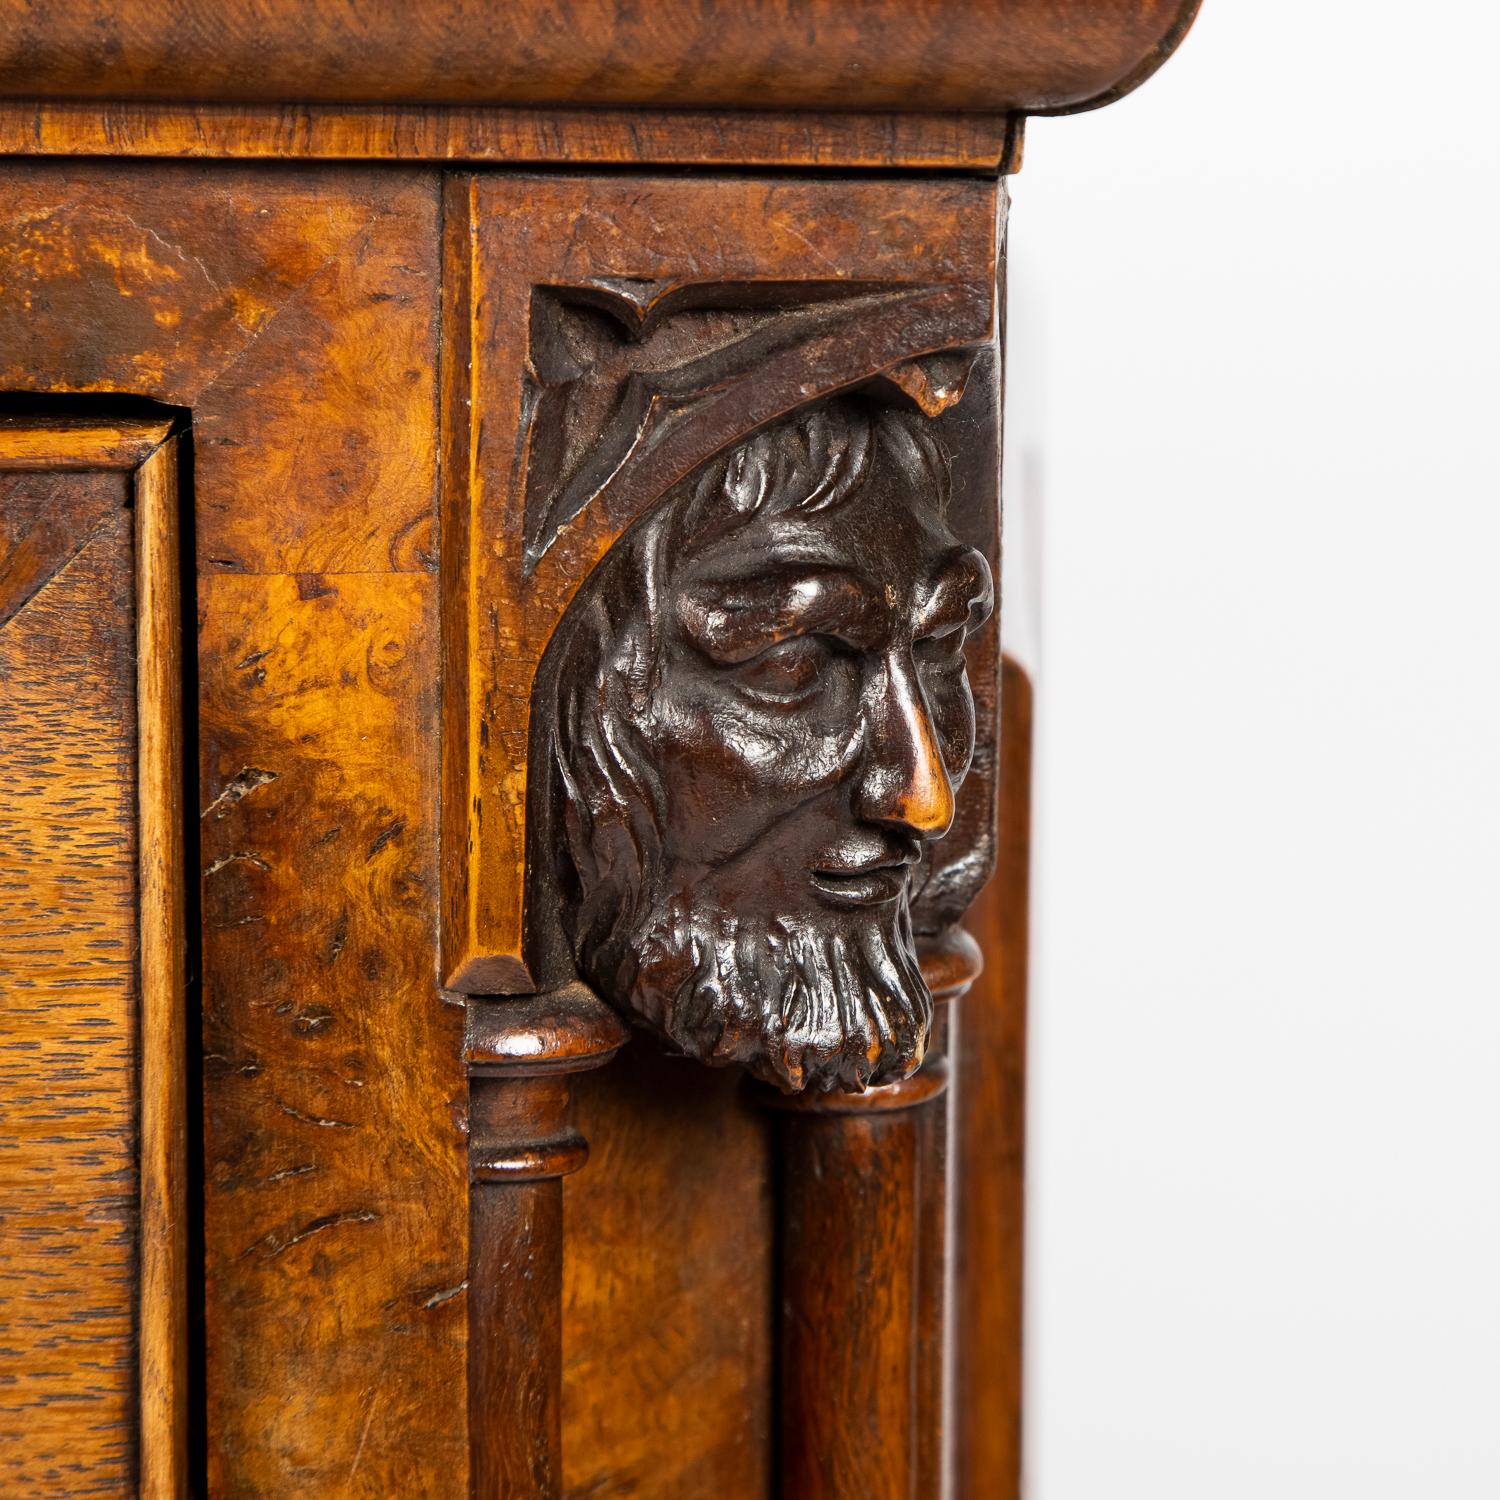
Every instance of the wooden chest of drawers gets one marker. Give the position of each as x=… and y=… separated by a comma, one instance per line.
x=501, y=722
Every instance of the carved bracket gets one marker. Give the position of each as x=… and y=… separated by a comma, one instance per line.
x=606, y=341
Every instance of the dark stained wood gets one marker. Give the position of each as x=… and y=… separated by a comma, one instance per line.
x=1025, y=55
x=990, y=1135
x=607, y=137
x=849, y=1365
x=559, y=317
x=864, y=1269
x=521, y=1055
x=515, y=1349
x=410, y=409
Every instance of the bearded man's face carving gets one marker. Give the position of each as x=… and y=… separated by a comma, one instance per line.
x=763, y=717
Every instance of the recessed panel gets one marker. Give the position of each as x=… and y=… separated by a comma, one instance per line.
x=69, y=990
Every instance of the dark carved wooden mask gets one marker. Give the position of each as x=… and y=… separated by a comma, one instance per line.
x=757, y=719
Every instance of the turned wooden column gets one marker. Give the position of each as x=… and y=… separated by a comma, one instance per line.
x=521, y=1054
x=864, y=1272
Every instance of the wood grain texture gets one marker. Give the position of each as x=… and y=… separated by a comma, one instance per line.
x=850, y=1281
x=294, y=313
x=59, y=444
x=990, y=1137
x=301, y=309
x=864, y=1273
x=68, y=934
x=607, y=137
x=988, y=55
x=516, y=1341
x=335, y=1105
x=257, y=297
x=668, y=1286
x=163, y=962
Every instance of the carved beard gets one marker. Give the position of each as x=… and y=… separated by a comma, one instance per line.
x=817, y=1002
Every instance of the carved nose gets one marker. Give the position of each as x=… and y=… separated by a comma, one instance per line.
x=902, y=779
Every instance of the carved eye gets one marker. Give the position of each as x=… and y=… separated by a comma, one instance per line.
x=786, y=672
x=941, y=653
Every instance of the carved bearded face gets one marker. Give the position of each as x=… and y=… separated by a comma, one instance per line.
x=764, y=717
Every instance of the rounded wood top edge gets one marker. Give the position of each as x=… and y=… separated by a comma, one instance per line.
x=950, y=962
x=1186, y=12
x=929, y=1082
x=564, y=1031
x=917, y=56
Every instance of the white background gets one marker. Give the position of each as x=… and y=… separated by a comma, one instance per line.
x=1254, y=560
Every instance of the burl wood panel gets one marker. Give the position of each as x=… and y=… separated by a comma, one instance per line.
x=336, y=1234
x=68, y=986
x=294, y=315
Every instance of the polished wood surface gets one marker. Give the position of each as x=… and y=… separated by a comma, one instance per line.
x=605, y=137
x=865, y=1186
x=93, y=1046
x=990, y=1137
x=166, y=1192
x=522, y=1055
x=669, y=1285
x=303, y=282
x=291, y=316
x=68, y=1210
x=993, y=56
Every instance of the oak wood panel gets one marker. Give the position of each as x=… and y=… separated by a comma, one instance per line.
x=56, y=529
x=993, y=55
x=68, y=932
x=990, y=1134
x=687, y=138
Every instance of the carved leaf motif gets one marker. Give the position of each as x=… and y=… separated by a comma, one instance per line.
x=630, y=382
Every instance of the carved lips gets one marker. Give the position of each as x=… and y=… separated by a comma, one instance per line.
x=869, y=883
